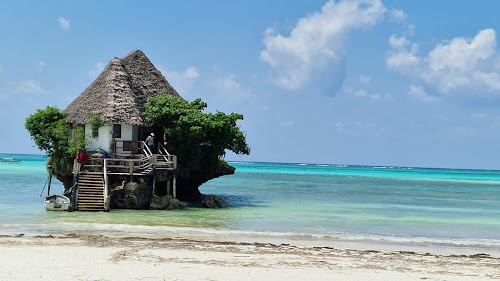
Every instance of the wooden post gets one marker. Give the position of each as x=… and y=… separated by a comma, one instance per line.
x=169, y=187
x=73, y=193
x=174, y=159
x=131, y=170
x=76, y=174
x=105, y=175
x=174, y=195
x=154, y=185
x=50, y=181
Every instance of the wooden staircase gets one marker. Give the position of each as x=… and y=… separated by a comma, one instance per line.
x=162, y=162
x=90, y=192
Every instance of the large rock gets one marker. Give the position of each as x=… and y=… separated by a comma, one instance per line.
x=133, y=196
x=189, y=180
x=211, y=201
x=160, y=202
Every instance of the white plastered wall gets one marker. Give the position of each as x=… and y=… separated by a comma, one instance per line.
x=103, y=141
x=129, y=133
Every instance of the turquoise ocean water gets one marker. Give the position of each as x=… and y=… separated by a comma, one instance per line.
x=444, y=210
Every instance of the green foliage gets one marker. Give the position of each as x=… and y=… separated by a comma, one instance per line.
x=51, y=133
x=96, y=122
x=78, y=141
x=195, y=136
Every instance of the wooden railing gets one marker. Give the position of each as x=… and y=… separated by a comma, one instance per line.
x=162, y=150
x=145, y=149
x=127, y=166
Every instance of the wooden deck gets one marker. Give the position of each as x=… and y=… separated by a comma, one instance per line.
x=138, y=165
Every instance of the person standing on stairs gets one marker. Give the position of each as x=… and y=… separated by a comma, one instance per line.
x=82, y=157
x=150, y=141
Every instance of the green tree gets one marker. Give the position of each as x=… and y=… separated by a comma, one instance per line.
x=198, y=139
x=51, y=133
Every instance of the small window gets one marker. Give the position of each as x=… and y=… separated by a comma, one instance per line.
x=95, y=133
x=117, y=131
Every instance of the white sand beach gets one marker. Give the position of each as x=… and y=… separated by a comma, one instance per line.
x=97, y=257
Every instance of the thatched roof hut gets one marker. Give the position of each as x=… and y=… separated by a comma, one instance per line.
x=120, y=92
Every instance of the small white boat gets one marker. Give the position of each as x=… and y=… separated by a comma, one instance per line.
x=57, y=202
x=10, y=161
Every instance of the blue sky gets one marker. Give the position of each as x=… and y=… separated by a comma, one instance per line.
x=406, y=83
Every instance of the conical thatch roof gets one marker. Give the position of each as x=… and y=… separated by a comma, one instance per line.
x=120, y=92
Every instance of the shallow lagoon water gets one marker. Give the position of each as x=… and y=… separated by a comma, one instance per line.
x=327, y=204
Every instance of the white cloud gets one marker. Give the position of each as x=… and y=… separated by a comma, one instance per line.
x=182, y=81
x=228, y=87
x=99, y=67
x=63, y=24
x=361, y=93
x=287, y=123
x=418, y=93
x=365, y=79
x=410, y=30
x=463, y=54
x=460, y=65
x=31, y=87
x=398, y=15
x=41, y=66
x=315, y=47
x=403, y=54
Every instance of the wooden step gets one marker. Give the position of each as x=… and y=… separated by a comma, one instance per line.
x=91, y=188
x=93, y=194
x=90, y=179
x=91, y=198
x=97, y=192
x=90, y=201
x=87, y=203
x=91, y=185
x=97, y=208
x=90, y=204
x=90, y=176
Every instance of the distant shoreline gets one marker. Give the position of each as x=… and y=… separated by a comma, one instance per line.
x=319, y=164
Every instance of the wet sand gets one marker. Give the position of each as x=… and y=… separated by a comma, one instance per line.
x=99, y=257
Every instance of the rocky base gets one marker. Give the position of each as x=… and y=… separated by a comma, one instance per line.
x=137, y=195
x=212, y=201
x=167, y=203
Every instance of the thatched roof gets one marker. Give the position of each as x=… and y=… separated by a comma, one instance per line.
x=120, y=92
